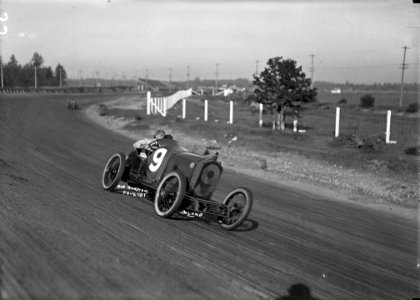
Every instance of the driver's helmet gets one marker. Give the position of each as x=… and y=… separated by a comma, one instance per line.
x=159, y=134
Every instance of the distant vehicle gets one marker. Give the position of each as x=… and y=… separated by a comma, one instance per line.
x=73, y=105
x=103, y=109
x=181, y=181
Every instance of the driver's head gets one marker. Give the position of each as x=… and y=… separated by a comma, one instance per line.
x=159, y=134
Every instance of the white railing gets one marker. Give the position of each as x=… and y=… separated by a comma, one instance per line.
x=162, y=104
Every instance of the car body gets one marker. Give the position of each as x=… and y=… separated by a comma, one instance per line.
x=202, y=173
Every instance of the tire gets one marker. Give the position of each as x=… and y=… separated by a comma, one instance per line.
x=237, y=212
x=169, y=194
x=113, y=171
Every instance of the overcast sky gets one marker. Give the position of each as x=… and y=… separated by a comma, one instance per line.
x=358, y=41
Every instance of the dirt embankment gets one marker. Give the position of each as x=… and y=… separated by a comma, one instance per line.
x=286, y=168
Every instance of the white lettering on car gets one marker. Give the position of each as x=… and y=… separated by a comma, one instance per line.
x=158, y=157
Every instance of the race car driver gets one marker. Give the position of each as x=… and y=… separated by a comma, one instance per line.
x=143, y=148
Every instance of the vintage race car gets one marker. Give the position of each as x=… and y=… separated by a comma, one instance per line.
x=180, y=181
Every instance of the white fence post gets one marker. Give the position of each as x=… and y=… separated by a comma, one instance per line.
x=388, y=129
x=261, y=113
x=337, y=121
x=165, y=106
x=205, y=110
x=184, y=108
x=295, y=125
x=148, y=103
x=231, y=113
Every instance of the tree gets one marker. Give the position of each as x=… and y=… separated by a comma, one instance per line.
x=60, y=75
x=37, y=60
x=282, y=85
x=12, y=72
x=46, y=76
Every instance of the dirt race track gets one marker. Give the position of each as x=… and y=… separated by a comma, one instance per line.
x=63, y=237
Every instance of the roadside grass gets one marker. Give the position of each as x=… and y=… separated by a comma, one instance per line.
x=361, y=144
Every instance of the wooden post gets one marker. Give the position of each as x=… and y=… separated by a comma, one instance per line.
x=337, y=122
x=148, y=102
x=388, y=127
x=231, y=113
x=165, y=106
x=205, y=110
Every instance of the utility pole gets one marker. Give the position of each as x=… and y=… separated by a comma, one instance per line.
x=36, y=80
x=80, y=77
x=188, y=76
x=1, y=72
x=312, y=70
x=403, y=67
x=97, y=82
x=217, y=76
x=147, y=77
x=61, y=77
x=256, y=67
x=170, y=79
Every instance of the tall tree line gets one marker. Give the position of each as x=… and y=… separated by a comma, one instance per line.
x=32, y=74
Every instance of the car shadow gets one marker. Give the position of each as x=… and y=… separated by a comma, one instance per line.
x=298, y=291
x=248, y=225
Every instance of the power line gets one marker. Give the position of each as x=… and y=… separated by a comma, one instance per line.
x=358, y=67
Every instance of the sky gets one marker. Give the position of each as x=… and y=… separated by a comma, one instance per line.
x=356, y=41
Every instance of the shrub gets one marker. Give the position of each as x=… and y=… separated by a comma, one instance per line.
x=251, y=98
x=367, y=101
x=413, y=151
x=413, y=108
x=342, y=101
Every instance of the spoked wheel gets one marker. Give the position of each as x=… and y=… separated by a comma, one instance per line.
x=113, y=171
x=239, y=204
x=169, y=194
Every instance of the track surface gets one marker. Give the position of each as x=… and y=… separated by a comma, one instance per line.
x=62, y=236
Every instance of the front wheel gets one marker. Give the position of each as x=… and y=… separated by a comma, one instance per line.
x=239, y=204
x=169, y=194
x=113, y=171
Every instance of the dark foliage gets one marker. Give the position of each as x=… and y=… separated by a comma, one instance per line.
x=284, y=84
x=413, y=108
x=16, y=75
x=342, y=101
x=413, y=151
x=367, y=101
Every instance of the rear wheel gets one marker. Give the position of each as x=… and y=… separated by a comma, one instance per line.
x=113, y=171
x=169, y=194
x=239, y=204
